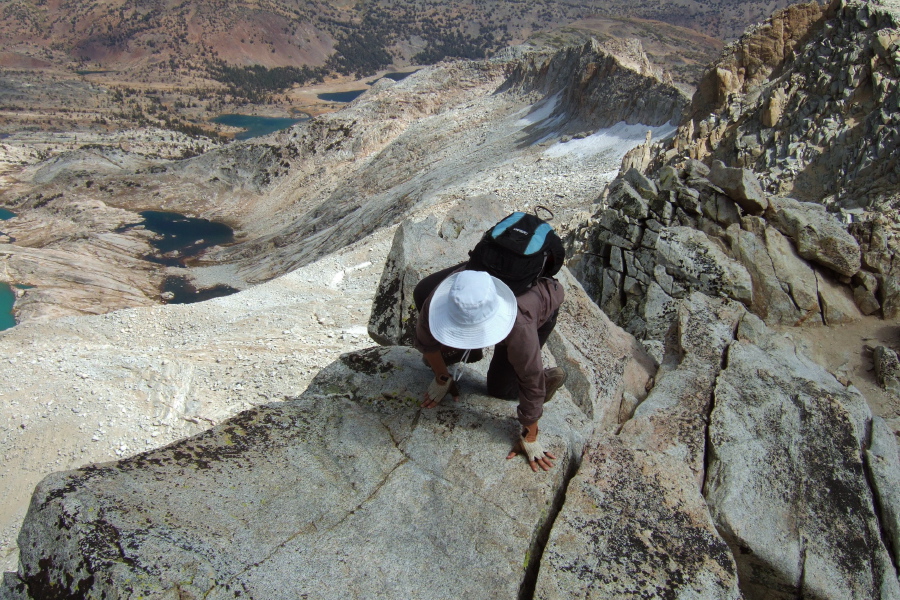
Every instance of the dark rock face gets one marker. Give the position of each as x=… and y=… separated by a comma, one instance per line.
x=793, y=263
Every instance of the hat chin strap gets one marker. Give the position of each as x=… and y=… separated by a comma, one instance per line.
x=458, y=370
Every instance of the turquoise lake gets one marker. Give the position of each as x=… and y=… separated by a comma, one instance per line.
x=7, y=299
x=7, y=296
x=256, y=126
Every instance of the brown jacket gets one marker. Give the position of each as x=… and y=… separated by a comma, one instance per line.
x=536, y=307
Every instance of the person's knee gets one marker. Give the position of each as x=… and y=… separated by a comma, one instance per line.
x=505, y=390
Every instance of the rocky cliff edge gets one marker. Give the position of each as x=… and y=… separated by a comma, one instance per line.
x=740, y=469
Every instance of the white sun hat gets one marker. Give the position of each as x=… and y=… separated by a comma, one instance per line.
x=472, y=309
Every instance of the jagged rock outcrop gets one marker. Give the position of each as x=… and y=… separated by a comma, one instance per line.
x=599, y=89
x=717, y=488
x=808, y=101
x=664, y=236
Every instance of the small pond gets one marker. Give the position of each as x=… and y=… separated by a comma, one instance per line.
x=398, y=76
x=6, y=214
x=182, y=238
x=255, y=126
x=179, y=290
x=348, y=96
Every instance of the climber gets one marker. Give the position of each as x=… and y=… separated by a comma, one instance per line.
x=464, y=311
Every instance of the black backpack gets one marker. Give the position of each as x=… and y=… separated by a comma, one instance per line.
x=518, y=250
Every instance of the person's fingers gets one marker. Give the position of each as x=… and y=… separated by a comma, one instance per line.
x=545, y=464
x=533, y=465
x=549, y=455
x=512, y=454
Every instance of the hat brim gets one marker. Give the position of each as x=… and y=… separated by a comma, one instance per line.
x=470, y=337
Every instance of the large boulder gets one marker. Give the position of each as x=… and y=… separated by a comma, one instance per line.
x=837, y=301
x=819, y=236
x=741, y=185
x=771, y=298
x=634, y=526
x=606, y=365
x=419, y=249
x=890, y=295
x=350, y=490
x=796, y=275
x=887, y=369
x=635, y=523
x=787, y=482
x=785, y=290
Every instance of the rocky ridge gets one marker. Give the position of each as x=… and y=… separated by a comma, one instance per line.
x=664, y=499
x=668, y=227
x=808, y=100
x=723, y=464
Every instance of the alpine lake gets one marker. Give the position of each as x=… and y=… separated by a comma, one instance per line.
x=180, y=239
x=7, y=294
x=351, y=95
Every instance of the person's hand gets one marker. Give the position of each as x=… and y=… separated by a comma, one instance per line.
x=440, y=387
x=532, y=449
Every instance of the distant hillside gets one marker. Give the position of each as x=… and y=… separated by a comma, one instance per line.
x=173, y=39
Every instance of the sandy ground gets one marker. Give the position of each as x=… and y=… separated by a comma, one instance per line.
x=846, y=351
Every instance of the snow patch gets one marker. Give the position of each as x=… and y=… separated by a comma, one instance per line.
x=541, y=111
x=618, y=139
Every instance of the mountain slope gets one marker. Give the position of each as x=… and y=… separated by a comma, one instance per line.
x=808, y=100
x=447, y=132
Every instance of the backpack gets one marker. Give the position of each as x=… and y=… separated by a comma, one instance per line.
x=518, y=250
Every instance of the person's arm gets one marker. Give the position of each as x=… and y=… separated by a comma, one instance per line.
x=524, y=352
x=443, y=381
x=529, y=445
x=431, y=349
